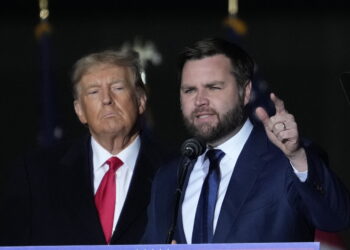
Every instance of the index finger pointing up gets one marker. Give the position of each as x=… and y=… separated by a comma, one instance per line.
x=279, y=104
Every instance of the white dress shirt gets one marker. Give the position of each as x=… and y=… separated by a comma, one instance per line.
x=123, y=175
x=232, y=149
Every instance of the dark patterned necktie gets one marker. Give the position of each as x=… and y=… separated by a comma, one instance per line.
x=204, y=219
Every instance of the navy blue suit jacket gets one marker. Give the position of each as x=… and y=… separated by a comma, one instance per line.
x=47, y=198
x=265, y=200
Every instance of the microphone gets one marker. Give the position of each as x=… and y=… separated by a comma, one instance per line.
x=190, y=150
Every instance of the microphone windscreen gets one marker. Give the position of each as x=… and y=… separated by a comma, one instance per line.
x=192, y=148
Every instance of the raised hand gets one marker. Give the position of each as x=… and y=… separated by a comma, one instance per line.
x=282, y=130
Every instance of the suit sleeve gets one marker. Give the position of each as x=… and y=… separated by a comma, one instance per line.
x=150, y=234
x=161, y=206
x=324, y=198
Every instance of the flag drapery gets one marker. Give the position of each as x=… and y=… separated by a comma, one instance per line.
x=49, y=131
x=236, y=29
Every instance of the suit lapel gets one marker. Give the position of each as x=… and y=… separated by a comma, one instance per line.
x=139, y=190
x=247, y=169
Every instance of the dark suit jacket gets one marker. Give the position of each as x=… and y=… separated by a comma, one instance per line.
x=265, y=201
x=47, y=198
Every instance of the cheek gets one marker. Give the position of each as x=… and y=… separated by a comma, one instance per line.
x=90, y=110
x=225, y=104
x=185, y=110
x=132, y=108
x=185, y=105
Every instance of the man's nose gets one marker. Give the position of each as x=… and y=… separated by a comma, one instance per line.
x=106, y=97
x=201, y=98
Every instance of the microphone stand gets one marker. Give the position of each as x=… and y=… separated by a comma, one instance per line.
x=185, y=162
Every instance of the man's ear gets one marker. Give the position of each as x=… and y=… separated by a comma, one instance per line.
x=79, y=112
x=142, y=101
x=247, y=92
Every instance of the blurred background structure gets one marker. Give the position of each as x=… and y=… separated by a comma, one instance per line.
x=300, y=47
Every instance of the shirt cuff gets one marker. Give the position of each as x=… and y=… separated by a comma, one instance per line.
x=302, y=175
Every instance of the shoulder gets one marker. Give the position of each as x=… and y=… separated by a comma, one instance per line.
x=167, y=175
x=260, y=144
x=154, y=150
x=39, y=156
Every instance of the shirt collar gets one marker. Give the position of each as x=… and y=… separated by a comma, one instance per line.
x=236, y=142
x=127, y=155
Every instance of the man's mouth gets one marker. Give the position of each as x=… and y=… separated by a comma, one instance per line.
x=108, y=115
x=204, y=116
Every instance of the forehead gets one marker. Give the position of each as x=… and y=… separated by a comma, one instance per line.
x=209, y=68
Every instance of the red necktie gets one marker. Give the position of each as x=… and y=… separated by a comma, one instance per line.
x=105, y=197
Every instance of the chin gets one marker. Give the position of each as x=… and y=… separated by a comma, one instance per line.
x=205, y=129
x=112, y=130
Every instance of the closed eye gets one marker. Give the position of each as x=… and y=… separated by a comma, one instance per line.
x=188, y=90
x=92, y=91
x=214, y=86
x=117, y=86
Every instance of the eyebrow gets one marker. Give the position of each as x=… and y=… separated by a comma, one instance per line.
x=92, y=85
x=118, y=81
x=214, y=83
x=96, y=84
x=189, y=85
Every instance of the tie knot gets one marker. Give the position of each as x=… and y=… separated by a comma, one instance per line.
x=114, y=163
x=215, y=156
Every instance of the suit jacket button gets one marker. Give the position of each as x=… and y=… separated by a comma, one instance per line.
x=319, y=188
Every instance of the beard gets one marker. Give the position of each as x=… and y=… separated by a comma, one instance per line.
x=228, y=122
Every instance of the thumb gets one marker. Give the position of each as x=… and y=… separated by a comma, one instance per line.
x=262, y=115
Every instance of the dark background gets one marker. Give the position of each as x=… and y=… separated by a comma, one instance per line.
x=301, y=48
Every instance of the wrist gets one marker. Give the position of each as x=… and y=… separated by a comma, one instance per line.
x=299, y=160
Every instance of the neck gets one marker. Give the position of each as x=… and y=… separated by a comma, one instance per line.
x=115, y=144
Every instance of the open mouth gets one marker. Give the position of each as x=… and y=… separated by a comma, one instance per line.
x=204, y=117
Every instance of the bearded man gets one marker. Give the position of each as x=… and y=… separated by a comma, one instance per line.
x=253, y=183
